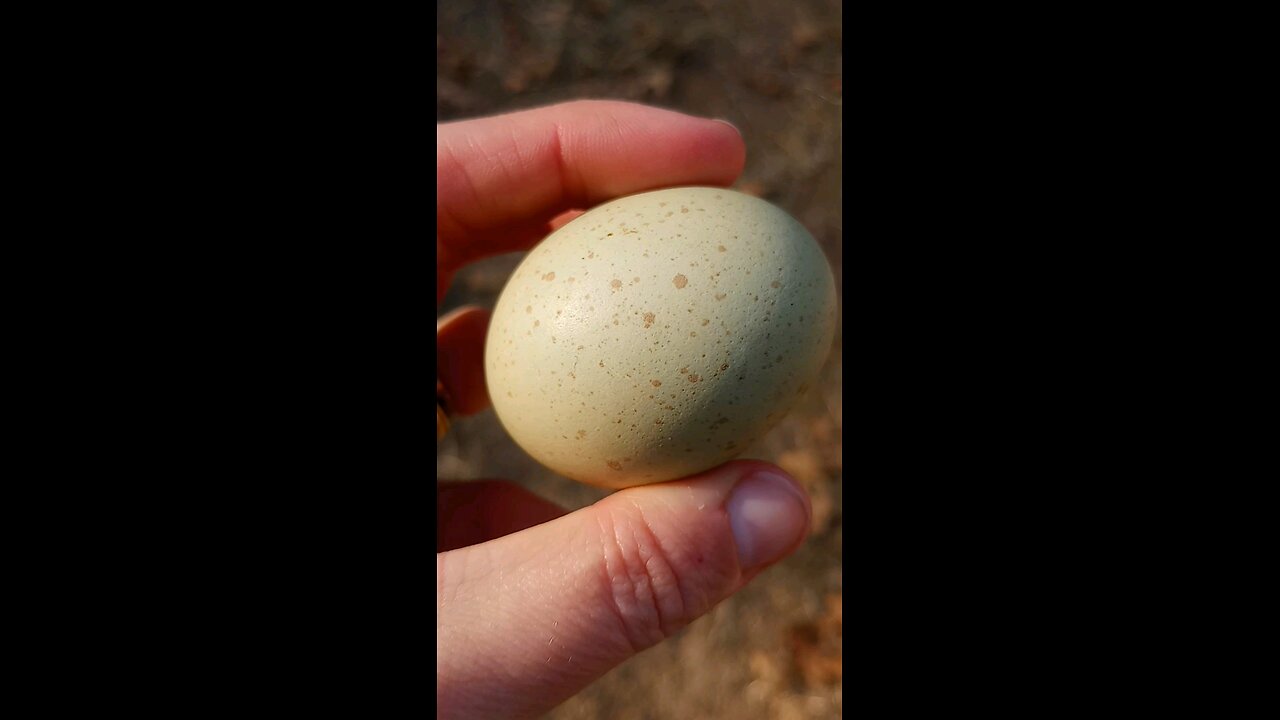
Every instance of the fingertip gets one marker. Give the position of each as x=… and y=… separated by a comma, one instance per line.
x=656, y=146
x=726, y=122
x=707, y=152
x=563, y=219
x=769, y=517
x=735, y=149
x=460, y=337
x=768, y=511
x=747, y=467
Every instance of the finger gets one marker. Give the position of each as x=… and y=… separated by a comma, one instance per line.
x=522, y=235
x=460, y=359
x=550, y=609
x=519, y=235
x=468, y=513
x=500, y=180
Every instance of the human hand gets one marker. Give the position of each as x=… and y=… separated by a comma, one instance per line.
x=532, y=603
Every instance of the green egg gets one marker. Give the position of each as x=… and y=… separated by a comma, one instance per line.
x=658, y=335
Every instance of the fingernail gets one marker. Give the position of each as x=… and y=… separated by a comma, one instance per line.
x=726, y=122
x=767, y=516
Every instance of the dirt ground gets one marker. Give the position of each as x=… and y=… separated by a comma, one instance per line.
x=774, y=70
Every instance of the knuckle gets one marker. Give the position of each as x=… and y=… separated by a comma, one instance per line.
x=644, y=584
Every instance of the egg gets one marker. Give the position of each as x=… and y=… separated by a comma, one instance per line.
x=658, y=335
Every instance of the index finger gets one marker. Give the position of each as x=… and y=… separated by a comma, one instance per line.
x=499, y=180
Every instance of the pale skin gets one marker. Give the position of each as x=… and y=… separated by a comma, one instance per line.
x=534, y=603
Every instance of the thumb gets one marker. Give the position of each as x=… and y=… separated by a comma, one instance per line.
x=529, y=619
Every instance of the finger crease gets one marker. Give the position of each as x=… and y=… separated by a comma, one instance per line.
x=659, y=568
x=570, y=181
x=611, y=550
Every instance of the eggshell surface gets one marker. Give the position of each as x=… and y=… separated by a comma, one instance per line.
x=658, y=335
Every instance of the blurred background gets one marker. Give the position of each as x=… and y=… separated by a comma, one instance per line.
x=773, y=69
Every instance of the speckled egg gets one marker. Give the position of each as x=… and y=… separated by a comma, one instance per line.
x=658, y=335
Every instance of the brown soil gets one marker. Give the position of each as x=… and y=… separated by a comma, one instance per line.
x=774, y=70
